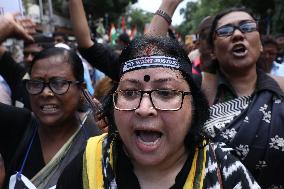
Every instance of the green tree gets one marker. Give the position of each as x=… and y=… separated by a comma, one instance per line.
x=270, y=13
x=196, y=11
x=114, y=8
x=139, y=18
x=278, y=17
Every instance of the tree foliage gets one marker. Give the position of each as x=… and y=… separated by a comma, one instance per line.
x=139, y=18
x=114, y=8
x=270, y=13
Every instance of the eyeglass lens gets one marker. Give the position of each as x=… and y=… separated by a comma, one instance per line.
x=56, y=86
x=161, y=99
x=244, y=27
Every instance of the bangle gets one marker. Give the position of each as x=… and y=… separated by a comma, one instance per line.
x=164, y=15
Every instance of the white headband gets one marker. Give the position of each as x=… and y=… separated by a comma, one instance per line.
x=150, y=61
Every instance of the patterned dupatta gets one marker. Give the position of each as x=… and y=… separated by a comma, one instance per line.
x=98, y=165
x=254, y=127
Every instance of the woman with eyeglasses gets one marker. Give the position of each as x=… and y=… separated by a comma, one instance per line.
x=248, y=114
x=37, y=148
x=155, y=115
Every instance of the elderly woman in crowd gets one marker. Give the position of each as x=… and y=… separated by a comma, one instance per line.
x=37, y=147
x=155, y=115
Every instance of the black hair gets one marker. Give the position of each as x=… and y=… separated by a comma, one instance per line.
x=124, y=38
x=205, y=25
x=164, y=46
x=70, y=56
x=220, y=15
x=40, y=39
x=269, y=40
x=55, y=34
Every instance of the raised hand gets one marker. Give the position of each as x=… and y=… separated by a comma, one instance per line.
x=13, y=27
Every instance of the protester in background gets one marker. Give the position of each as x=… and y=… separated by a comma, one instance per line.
x=14, y=72
x=10, y=71
x=203, y=61
x=31, y=48
x=280, y=41
x=60, y=37
x=155, y=115
x=121, y=42
x=39, y=147
x=98, y=55
x=269, y=53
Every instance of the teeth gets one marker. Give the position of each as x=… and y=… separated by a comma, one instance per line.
x=49, y=108
x=149, y=143
x=149, y=137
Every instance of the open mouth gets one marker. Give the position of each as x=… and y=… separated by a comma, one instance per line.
x=50, y=108
x=239, y=50
x=148, y=137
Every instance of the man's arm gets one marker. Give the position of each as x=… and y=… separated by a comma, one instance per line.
x=80, y=24
x=98, y=55
x=159, y=25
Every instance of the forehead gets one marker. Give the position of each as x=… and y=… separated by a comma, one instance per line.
x=156, y=74
x=33, y=47
x=234, y=17
x=52, y=64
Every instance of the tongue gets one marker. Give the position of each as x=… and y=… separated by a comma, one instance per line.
x=148, y=136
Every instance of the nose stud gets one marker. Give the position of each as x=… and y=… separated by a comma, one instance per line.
x=50, y=93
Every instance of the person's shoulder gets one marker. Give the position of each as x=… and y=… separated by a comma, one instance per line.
x=10, y=113
x=280, y=81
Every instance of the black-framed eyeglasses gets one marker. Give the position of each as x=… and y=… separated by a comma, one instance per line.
x=57, y=86
x=246, y=26
x=169, y=100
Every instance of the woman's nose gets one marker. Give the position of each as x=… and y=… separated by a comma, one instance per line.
x=146, y=107
x=237, y=35
x=47, y=91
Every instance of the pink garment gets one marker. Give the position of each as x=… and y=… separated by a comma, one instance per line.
x=196, y=66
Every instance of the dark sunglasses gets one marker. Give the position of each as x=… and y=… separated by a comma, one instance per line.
x=228, y=29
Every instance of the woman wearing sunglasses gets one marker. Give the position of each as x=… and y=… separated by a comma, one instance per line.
x=248, y=114
x=37, y=147
x=155, y=114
